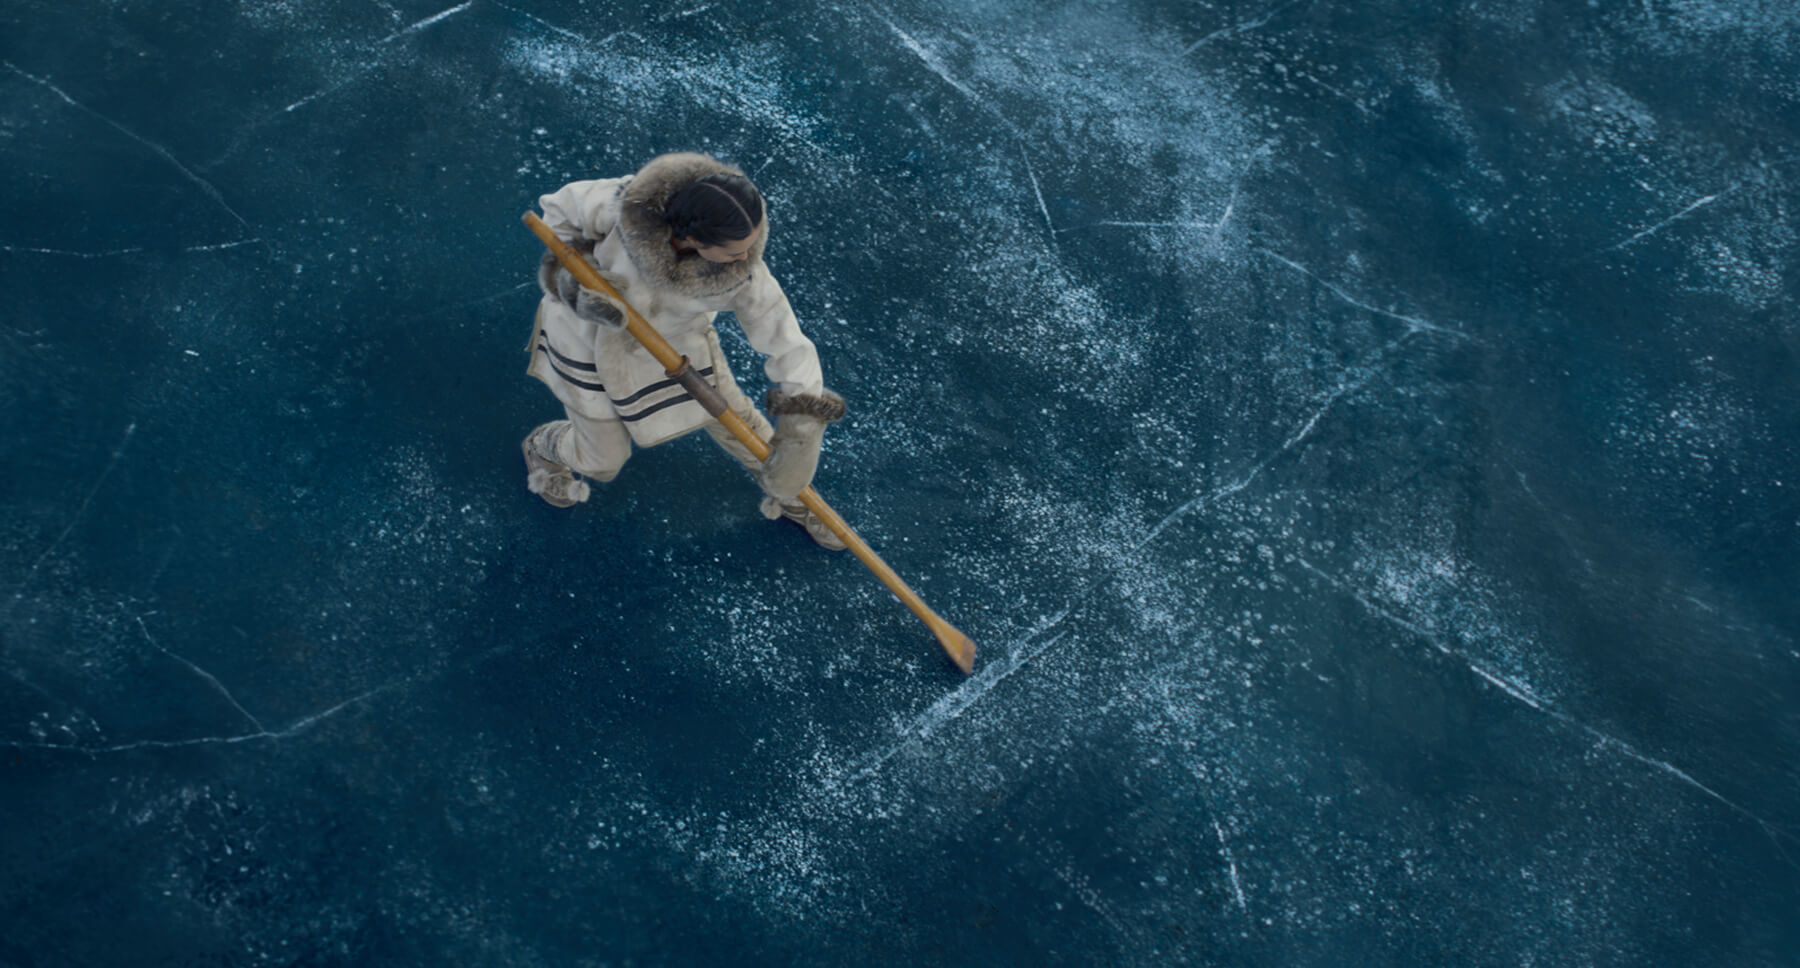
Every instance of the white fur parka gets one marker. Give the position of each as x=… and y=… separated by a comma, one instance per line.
x=595, y=366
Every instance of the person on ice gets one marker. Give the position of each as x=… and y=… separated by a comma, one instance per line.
x=682, y=240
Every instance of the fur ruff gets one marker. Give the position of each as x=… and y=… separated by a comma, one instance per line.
x=646, y=235
x=824, y=405
x=556, y=487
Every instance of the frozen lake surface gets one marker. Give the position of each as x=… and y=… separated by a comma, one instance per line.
x=1361, y=437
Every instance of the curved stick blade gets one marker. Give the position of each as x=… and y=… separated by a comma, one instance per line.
x=958, y=646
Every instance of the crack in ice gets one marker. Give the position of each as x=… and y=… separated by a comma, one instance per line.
x=1551, y=517
x=204, y=185
x=1151, y=225
x=1217, y=227
x=1413, y=323
x=111, y=253
x=1180, y=716
x=287, y=732
x=937, y=67
x=572, y=35
x=218, y=686
x=1299, y=436
x=977, y=687
x=34, y=250
x=294, y=728
x=118, y=453
x=163, y=566
x=1524, y=694
x=509, y=290
x=363, y=70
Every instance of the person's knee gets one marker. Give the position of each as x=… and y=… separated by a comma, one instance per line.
x=598, y=449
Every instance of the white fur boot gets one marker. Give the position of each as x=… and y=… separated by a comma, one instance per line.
x=558, y=485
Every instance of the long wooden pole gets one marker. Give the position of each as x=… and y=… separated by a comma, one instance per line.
x=958, y=646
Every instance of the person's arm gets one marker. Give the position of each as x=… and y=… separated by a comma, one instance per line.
x=798, y=401
x=584, y=209
x=768, y=321
x=581, y=213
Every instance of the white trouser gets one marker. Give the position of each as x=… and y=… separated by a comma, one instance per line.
x=597, y=448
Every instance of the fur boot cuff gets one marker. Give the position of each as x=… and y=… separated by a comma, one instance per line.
x=824, y=405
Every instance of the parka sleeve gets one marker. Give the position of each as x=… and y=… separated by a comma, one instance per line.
x=583, y=209
x=762, y=310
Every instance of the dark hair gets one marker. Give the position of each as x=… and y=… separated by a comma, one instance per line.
x=714, y=210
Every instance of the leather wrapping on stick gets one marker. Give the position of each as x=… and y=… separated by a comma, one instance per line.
x=703, y=392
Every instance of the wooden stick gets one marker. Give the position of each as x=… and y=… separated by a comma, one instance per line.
x=958, y=646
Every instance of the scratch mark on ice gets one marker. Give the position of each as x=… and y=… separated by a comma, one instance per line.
x=72, y=254
x=1237, y=886
x=18, y=675
x=1039, y=192
x=428, y=21
x=220, y=245
x=1151, y=225
x=353, y=76
x=33, y=250
x=958, y=701
x=1084, y=891
x=1242, y=28
x=1217, y=227
x=1554, y=520
x=1665, y=223
x=168, y=555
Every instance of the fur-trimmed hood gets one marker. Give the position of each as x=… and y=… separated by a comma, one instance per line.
x=646, y=234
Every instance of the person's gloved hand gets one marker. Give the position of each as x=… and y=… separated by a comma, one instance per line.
x=800, y=421
x=599, y=307
x=589, y=304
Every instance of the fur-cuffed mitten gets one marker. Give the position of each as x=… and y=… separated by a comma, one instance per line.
x=587, y=303
x=800, y=420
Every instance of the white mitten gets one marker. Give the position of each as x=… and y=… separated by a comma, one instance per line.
x=587, y=303
x=800, y=421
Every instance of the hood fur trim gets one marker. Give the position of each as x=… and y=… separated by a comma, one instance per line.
x=824, y=405
x=646, y=235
